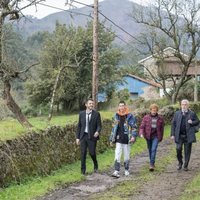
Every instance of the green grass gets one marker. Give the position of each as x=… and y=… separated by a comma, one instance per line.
x=126, y=189
x=11, y=128
x=192, y=190
x=34, y=187
x=38, y=186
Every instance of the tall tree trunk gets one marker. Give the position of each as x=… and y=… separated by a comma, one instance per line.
x=13, y=107
x=58, y=108
x=11, y=104
x=175, y=95
x=173, y=99
x=54, y=93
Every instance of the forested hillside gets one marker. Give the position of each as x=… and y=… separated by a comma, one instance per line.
x=116, y=10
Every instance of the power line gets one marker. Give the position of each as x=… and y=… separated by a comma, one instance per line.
x=78, y=13
x=61, y=9
x=122, y=29
x=118, y=26
x=116, y=35
x=81, y=3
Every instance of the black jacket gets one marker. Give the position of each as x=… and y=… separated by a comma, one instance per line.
x=190, y=130
x=94, y=125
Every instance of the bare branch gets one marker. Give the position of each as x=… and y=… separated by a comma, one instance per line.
x=28, y=68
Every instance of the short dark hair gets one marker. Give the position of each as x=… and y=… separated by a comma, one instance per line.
x=89, y=99
x=122, y=102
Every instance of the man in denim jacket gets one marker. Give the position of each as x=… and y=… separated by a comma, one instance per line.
x=123, y=133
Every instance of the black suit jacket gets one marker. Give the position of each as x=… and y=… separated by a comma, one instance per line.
x=94, y=125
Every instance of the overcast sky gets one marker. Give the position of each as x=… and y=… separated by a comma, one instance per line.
x=42, y=11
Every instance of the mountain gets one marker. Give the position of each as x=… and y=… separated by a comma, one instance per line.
x=116, y=10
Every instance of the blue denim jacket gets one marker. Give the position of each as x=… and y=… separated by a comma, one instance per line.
x=130, y=127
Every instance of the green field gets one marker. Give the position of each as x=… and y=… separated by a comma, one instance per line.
x=10, y=128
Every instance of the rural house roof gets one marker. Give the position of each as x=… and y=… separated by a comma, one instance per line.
x=145, y=80
x=172, y=64
x=169, y=52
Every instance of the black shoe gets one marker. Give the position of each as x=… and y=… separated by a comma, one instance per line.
x=179, y=167
x=95, y=170
x=83, y=172
x=185, y=168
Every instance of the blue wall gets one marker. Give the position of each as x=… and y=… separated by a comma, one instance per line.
x=133, y=85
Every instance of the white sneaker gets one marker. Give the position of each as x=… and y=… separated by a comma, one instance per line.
x=116, y=174
x=126, y=173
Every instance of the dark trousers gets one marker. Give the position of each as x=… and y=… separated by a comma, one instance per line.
x=187, y=151
x=91, y=146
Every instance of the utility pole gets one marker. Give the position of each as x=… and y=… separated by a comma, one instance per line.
x=195, y=82
x=95, y=74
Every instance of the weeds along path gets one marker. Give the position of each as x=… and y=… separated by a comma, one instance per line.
x=162, y=184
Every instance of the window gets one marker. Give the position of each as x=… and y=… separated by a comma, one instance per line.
x=134, y=95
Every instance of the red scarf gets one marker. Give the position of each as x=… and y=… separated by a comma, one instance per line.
x=124, y=112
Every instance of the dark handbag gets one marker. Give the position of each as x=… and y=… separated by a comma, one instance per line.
x=196, y=128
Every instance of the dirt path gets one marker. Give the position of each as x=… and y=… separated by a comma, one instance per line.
x=167, y=185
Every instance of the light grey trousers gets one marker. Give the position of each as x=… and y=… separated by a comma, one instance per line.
x=125, y=149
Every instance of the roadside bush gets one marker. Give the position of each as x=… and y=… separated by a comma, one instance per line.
x=123, y=95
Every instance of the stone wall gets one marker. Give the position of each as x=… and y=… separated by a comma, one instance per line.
x=38, y=153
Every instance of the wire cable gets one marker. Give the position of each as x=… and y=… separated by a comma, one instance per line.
x=90, y=6
x=111, y=21
x=61, y=9
x=78, y=13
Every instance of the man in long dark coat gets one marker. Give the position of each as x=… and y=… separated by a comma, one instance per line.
x=183, y=133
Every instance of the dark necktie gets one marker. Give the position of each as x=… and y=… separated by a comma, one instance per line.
x=88, y=120
x=88, y=117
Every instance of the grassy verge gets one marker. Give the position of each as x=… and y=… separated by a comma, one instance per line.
x=38, y=186
x=126, y=189
x=68, y=174
x=192, y=190
x=11, y=128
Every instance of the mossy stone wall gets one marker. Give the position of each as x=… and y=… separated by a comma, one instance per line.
x=38, y=153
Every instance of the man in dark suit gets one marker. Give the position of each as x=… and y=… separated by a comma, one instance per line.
x=183, y=133
x=88, y=130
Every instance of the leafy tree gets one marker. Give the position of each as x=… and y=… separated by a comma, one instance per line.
x=72, y=47
x=35, y=42
x=109, y=71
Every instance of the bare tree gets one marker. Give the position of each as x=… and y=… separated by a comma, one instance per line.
x=11, y=9
x=172, y=23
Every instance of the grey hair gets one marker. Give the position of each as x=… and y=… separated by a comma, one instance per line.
x=185, y=101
